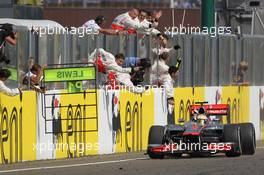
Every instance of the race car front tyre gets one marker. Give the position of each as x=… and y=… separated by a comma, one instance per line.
x=177, y=155
x=156, y=136
x=248, y=139
x=196, y=155
x=232, y=135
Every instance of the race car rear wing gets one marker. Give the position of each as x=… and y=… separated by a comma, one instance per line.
x=211, y=109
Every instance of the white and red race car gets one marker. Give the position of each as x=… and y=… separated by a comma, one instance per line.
x=204, y=134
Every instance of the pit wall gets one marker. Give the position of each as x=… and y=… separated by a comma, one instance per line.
x=122, y=124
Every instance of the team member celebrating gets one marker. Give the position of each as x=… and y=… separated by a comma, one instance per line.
x=112, y=65
x=97, y=26
x=4, y=75
x=128, y=21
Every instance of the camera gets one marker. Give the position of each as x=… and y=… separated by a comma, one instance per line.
x=4, y=59
x=138, y=77
x=144, y=63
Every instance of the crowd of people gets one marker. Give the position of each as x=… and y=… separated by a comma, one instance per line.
x=129, y=72
x=121, y=71
x=131, y=22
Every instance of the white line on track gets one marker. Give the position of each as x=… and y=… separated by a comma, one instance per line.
x=260, y=147
x=72, y=165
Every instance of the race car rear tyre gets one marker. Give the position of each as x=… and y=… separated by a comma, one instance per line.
x=156, y=136
x=248, y=139
x=232, y=135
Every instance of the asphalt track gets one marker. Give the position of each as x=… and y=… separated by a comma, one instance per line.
x=140, y=164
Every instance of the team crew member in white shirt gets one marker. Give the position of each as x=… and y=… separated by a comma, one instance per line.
x=112, y=65
x=154, y=17
x=163, y=45
x=159, y=69
x=163, y=75
x=128, y=21
x=4, y=75
x=34, y=78
x=142, y=19
x=97, y=24
x=168, y=82
x=107, y=62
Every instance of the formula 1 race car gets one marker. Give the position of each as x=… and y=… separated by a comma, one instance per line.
x=204, y=134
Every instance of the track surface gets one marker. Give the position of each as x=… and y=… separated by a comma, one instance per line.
x=139, y=164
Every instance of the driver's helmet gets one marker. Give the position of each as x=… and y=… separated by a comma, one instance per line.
x=202, y=119
x=201, y=110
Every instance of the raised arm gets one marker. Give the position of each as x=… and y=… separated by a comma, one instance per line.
x=8, y=91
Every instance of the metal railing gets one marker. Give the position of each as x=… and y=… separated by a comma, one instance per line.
x=207, y=61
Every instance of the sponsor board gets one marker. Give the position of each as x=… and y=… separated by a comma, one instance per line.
x=109, y=128
x=238, y=99
x=257, y=110
x=136, y=117
x=72, y=129
x=76, y=132
x=18, y=128
x=160, y=107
